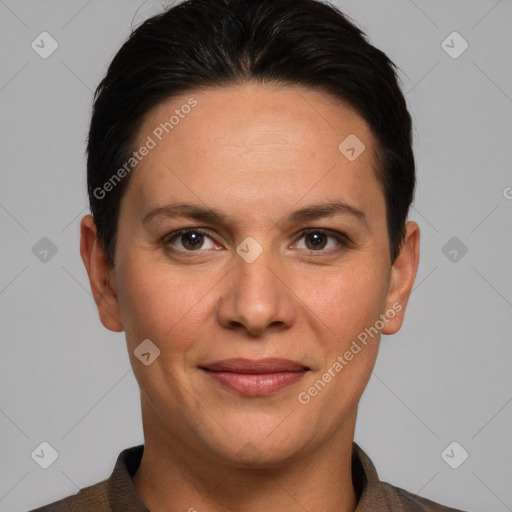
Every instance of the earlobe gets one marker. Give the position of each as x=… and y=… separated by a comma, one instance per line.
x=403, y=274
x=100, y=275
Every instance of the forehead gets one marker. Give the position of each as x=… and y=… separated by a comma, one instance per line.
x=254, y=114
x=256, y=143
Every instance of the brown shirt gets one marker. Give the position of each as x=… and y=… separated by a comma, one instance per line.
x=117, y=493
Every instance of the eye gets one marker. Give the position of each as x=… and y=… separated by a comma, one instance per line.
x=317, y=240
x=191, y=239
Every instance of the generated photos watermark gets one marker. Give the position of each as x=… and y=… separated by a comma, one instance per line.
x=137, y=156
x=305, y=397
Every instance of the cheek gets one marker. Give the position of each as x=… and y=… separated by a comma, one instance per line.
x=345, y=313
x=346, y=300
x=160, y=303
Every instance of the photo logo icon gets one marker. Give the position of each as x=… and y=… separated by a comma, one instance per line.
x=454, y=249
x=44, y=45
x=454, y=455
x=146, y=352
x=352, y=147
x=249, y=249
x=44, y=455
x=454, y=45
x=44, y=250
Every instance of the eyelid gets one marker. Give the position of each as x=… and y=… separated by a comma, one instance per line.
x=326, y=231
x=342, y=239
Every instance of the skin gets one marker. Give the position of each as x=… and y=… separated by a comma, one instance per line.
x=255, y=153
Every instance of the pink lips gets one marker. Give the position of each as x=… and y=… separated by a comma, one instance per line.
x=256, y=377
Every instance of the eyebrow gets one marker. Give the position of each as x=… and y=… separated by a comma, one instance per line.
x=312, y=212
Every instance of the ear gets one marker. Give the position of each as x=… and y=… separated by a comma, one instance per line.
x=403, y=273
x=101, y=276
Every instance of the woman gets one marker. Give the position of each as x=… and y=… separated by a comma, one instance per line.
x=250, y=172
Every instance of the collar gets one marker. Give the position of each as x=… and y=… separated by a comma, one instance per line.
x=125, y=498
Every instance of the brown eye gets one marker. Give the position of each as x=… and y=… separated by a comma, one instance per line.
x=317, y=240
x=190, y=240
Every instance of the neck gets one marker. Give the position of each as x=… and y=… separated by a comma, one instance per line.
x=173, y=477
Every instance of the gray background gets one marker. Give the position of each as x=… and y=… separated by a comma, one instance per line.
x=444, y=377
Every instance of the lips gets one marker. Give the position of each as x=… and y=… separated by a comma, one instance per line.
x=255, y=377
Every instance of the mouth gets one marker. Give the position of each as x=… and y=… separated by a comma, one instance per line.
x=255, y=377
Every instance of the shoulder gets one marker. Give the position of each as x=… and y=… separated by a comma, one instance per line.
x=94, y=497
x=116, y=493
x=402, y=500
x=378, y=496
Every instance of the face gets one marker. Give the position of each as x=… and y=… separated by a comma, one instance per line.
x=260, y=286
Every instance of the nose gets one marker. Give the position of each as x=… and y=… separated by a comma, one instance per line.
x=256, y=297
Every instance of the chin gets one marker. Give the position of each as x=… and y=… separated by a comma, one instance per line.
x=262, y=454
x=260, y=444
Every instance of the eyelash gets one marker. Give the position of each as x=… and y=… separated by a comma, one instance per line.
x=342, y=239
